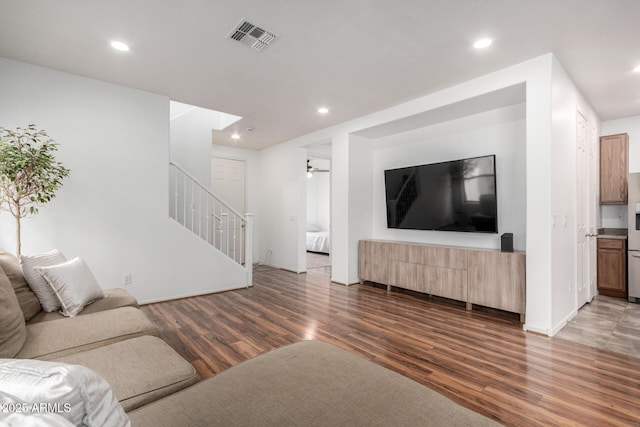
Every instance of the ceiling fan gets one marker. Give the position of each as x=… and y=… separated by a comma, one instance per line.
x=311, y=170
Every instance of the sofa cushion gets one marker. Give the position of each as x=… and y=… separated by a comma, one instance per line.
x=307, y=383
x=140, y=370
x=37, y=283
x=113, y=298
x=29, y=302
x=57, y=338
x=74, y=285
x=74, y=392
x=13, y=331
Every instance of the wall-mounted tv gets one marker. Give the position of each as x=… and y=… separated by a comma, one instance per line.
x=458, y=195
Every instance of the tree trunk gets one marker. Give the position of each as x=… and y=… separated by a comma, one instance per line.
x=18, y=243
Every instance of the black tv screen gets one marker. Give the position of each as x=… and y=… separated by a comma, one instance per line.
x=459, y=195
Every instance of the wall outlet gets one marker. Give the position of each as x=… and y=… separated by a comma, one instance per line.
x=570, y=286
x=126, y=279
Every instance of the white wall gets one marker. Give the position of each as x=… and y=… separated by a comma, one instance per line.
x=282, y=207
x=501, y=132
x=566, y=102
x=360, y=208
x=113, y=208
x=190, y=142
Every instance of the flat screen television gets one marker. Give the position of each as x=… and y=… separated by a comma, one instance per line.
x=458, y=195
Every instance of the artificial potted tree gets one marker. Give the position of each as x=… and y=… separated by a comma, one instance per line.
x=29, y=173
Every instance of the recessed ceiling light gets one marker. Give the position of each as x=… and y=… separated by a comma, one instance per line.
x=323, y=110
x=235, y=135
x=637, y=69
x=120, y=46
x=482, y=43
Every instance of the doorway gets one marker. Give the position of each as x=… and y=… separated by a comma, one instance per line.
x=318, y=229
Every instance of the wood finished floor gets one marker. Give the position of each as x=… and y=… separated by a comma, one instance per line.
x=482, y=360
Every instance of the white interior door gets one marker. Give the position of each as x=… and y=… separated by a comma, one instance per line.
x=228, y=182
x=583, y=211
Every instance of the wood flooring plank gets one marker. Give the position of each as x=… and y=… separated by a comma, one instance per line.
x=480, y=359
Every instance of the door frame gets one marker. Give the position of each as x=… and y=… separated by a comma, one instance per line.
x=309, y=153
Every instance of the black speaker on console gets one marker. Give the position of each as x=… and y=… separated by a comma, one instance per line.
x=506, y=242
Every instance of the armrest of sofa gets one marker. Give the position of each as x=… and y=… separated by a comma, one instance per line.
x=57, y=338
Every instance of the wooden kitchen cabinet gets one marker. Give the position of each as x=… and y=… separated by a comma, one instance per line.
x=612, y=267
x=614, y=167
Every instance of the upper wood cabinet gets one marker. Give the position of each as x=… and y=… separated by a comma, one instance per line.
x=614, y=167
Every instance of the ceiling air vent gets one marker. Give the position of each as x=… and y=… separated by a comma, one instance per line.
x=251, y=35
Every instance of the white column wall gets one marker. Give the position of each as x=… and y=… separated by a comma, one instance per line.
x=282, y=207
x=360, y=215
x=340, y=208
x=566, y=102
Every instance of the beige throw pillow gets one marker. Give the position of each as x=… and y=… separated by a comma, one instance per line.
x=73, y=283
x=29, y=302
x=13, y=331
x=36, y=282
x=72, y=391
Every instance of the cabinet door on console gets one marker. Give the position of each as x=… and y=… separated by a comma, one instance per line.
x=450, y=283
x=446, y=257
x=373, y=261
x=407, y=276
x=496, y=279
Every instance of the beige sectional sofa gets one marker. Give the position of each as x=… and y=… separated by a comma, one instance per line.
x=309, y=383
x=111, y=336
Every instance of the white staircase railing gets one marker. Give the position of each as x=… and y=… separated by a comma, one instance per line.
x=195, y=207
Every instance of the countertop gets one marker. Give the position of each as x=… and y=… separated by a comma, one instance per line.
x=612, y=233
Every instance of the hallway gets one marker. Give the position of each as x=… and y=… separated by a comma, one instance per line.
x=606, y=323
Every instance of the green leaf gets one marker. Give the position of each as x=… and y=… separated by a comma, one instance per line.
x=29, y=172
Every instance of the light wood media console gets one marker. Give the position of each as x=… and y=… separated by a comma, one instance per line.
x=485, y=277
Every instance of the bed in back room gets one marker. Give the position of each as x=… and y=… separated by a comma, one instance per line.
x=317, y=240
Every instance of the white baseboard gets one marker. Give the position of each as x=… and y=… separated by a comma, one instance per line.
x=197, y=294
x=562, y=323
x=555, y=329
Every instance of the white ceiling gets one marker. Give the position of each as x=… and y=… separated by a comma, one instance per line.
x=354, y=56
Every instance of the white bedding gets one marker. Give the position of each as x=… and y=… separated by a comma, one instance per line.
x=318, y=241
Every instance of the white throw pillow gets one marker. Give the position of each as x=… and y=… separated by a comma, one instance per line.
x=37, y=283
x=73, y=283
x=72, y=391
